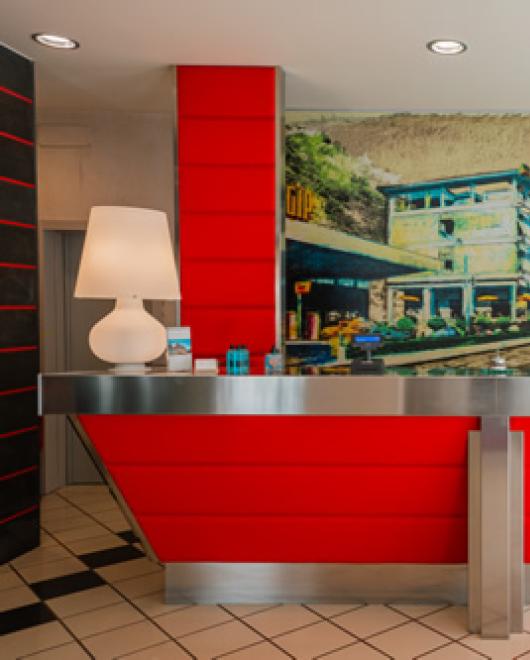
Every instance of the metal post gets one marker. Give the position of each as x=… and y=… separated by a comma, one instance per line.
x=495, y=561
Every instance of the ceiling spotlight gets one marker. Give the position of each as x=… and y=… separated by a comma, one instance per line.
x=446, y=46
x=55, y=41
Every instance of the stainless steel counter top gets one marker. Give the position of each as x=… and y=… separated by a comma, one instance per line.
x=162, y=392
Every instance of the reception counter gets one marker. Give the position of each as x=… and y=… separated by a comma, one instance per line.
x=302, y=488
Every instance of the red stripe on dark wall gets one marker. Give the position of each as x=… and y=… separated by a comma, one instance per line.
x=27, y=429
x=19, y=514
x=11, y=92
x=18, y=308
x=16, y=138
x=16, y=182
x=18, y=349
x=5, y=264
x=12, y=475
x=18, y=390
x=16, y=223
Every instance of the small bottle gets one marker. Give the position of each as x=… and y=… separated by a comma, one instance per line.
x=273, y=362
x=244, y=359
x=230, y=355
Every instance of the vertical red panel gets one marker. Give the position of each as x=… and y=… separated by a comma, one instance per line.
x=227, y=206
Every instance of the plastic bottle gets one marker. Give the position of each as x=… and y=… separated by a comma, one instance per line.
x=244, y=360
x=230, y=355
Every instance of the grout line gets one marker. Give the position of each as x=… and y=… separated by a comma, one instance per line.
x=258, y=632
x=353, y=635
x=340, y=648
x=52, y=648
x=59, y=620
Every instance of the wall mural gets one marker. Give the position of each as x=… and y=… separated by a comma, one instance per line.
x=415, y=227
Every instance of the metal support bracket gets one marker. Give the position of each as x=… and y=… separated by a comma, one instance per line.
x=495, y=529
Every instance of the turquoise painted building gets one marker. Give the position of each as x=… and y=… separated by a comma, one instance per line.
x=478, y=227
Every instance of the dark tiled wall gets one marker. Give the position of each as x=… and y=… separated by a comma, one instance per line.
x=19, y=359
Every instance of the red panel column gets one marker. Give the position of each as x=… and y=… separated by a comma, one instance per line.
x=227, y=146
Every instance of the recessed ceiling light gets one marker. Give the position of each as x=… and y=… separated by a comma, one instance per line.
x=446, y=46
x=55, y=41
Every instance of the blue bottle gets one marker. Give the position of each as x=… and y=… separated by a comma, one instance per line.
x=230, y=360
x=244, y=360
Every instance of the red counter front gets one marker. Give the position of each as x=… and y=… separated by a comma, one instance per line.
x=292, y=489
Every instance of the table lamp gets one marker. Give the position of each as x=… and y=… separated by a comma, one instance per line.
x=128, y=256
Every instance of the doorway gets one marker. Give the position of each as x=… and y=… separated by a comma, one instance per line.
x=66, y=322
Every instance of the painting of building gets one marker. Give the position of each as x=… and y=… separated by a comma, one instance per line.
x=478, y=227
x=431, y=252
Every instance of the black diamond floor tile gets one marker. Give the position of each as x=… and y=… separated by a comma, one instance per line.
x=24, y=617
x=68, y=584
x=129, y=536
x=102, y=558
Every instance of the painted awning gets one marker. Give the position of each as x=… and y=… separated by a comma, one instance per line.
x=317, y=251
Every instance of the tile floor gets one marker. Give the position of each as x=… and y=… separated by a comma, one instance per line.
x=89, y=592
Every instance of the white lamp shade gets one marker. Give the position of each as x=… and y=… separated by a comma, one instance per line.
x=127, y=252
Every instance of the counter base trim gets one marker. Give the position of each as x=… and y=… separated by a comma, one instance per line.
x=323, y=583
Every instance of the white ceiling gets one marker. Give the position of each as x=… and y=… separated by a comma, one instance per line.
x=337, y=54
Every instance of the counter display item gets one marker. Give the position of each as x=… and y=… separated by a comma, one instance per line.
x=273, y=362
x=179, y=355
x=237, y=361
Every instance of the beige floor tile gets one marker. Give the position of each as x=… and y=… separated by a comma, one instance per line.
x=96, y=543
x=357, y=651
x=141, y=586
x=279, y=620
x=74, y=489
x=262, y=651
x=9, y=579
x=60, y=514
x=41, y=555
x=102, y=619
x=110, y=516
x=451, y=621
x=407, y=641
x=107, y=504
x=167, y=651
x=313, y=640
x=129, y=569
x=118, y=642
x=416, y=610
x=155, y=605
x=42, y=637
x=499, y=649
x=118, y=526
x=70, y=651
x=192, y=619
x=83, y=601
x=51, y=569
x=46, y=540
x=246, y=610
x=81, y=533
x=452, y=651
x=227, y=637
x=64, y=524
x=16, y=597
x=369, y=620
x=333, y=609
x=53, y=502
